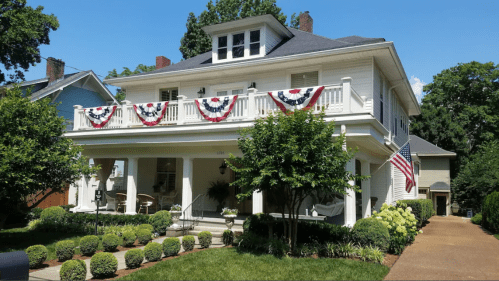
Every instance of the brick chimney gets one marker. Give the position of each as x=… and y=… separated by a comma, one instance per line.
x=162, y=61
x=55, y=69
x=306, y=22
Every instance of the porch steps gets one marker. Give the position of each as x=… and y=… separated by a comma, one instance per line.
x=215, y=227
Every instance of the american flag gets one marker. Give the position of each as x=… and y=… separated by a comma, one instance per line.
x=403, y=161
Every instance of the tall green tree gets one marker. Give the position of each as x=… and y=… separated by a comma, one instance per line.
x=35, y=158
x=460, y=109
x=141, y=68
x=22, y=31
x=478, y=178
x=195, y=40
x=294, y=156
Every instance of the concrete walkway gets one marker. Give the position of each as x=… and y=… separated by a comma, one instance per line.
x=450, y=248
x=52, y=273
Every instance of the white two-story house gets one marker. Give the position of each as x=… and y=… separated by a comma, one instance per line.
x=366, y=92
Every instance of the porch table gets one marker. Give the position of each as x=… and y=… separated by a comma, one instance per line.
x=300, y=217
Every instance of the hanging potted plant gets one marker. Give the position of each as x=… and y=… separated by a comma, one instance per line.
x=219, y=191
x=176, y=211
x=229, y=215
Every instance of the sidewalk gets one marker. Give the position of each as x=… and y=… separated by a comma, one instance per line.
x=52, y=273
x=450, y=248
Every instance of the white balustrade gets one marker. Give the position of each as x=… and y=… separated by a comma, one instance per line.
x=340, y=98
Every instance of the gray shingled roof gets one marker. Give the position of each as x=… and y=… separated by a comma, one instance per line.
x=67, y=80
x=302, y=42
x=421, y=146
x=440, y=185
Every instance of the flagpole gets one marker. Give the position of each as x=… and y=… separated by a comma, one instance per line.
x=389, y=158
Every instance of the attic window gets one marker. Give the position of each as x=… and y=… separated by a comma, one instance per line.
x=304, y=79
x=222, y=47
x=254, y=42
x=238, y=45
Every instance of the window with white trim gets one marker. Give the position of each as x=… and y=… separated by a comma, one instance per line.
x=238, y=45
x=222, y=47
x=381, y=100
x=229, y=92
x=169, y=94
x=305, y=79
x=254, y=42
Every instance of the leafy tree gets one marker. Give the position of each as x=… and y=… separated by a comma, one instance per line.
x=293, y=156
x=195, y=40
x=460, y=109
x=35, y=159
x=141, y=68
x=22, y=30
x=478, y=178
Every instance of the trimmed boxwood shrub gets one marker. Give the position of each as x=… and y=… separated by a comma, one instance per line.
x=144, y=236
x=308, y=232
x=477, y=219
x=65, y=250
x=37, y=254
x=89, y=245
x=153, y=251
x=421, y=208
x=371, y=232
x=160, y=221
x=110, y=242
x=53, y=214
x=106, y=219
x=103, y=265
x=490, y=212
x=228, y=237
x=134, y=257
x=205, y=239
x=128, y=238
x=146, y=226
x=35, y=213
x=73, y=270
x=171, y=246
x=188, y=243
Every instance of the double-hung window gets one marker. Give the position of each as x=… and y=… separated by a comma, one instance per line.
x=170, y=94
x=229, y=92
x=222, y=47
x=238, y=45
x=254, y=42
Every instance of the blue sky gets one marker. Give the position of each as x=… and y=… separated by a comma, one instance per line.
x=429, y=35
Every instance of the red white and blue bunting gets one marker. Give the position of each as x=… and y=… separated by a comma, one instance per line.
x=216, y=109
x=296, y=99
x=150, y=113
x=100, y=116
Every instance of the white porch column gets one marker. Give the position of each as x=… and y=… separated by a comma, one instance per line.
x=257, y=202
x=347, y=93
x=131, y=188
x=187, y=185
x=76, y=118
x=366, y=189
x=251, y=104
x=349, y=207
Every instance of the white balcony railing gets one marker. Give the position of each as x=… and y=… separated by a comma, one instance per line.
x=335, y=99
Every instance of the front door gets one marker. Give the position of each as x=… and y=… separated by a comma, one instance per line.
x=441, y=200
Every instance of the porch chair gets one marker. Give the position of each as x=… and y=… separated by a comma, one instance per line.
x=167, y=200
x=146, y=201
x=121, y=201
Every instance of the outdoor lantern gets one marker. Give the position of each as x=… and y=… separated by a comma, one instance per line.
x=252, y=85
x=201, y=92
x=223, y=167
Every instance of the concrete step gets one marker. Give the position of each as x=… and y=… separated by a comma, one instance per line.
x=217, y=223
x=213, y=233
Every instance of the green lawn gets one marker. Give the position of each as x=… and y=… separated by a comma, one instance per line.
x=228, y=264
x=496, y=236
x=18, y=239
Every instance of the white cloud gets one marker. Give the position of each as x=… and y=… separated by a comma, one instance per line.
x=417, y=87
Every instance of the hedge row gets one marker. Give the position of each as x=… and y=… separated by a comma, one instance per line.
x=107, y=219
x=490, y=212
x=421, y=208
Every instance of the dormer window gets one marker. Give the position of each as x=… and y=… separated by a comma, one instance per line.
x=254, y=42
x=238, y=45
x=222, y=47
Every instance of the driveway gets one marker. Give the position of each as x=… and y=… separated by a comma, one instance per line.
x=450, y=248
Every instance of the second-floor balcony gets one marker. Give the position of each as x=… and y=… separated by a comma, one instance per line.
x=335, y=100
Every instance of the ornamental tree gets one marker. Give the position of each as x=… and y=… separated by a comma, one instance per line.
x=35, y=158
x=293, y=156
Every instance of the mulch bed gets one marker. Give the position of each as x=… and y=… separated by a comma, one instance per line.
x=390, y=260
x=56, y=262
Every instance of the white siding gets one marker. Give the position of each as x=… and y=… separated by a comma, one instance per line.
x=380, y=183
x=399, y=113
x=380, y=84
x=142, y=94
x=359, y=70
x=399, y=192
x=271, y=39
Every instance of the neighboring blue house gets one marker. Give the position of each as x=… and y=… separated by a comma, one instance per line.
x=83, y=88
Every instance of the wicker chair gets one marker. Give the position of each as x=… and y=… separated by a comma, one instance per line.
x=146, y=201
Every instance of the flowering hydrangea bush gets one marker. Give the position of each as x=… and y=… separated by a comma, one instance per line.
x=176, y=207
x=401, y=224
x=227, y=211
